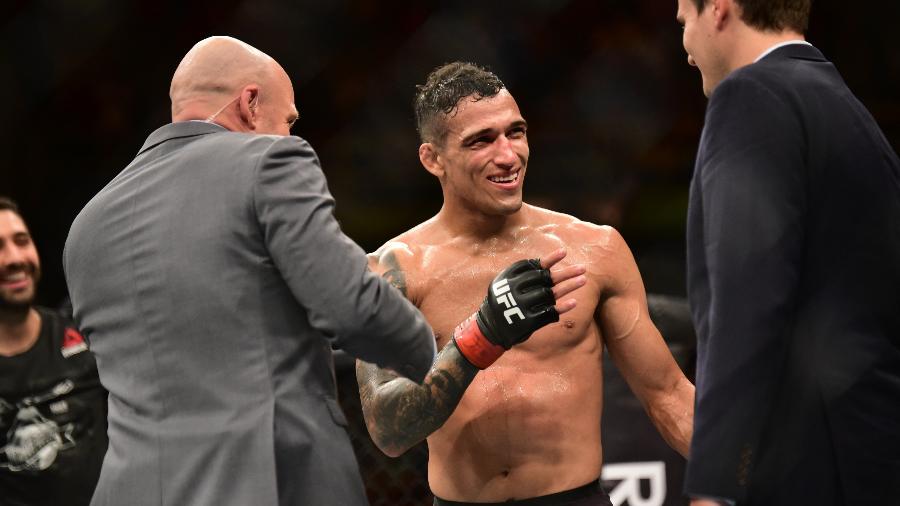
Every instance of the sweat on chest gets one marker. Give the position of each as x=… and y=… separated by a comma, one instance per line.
x=447, y=306
x=448, y=299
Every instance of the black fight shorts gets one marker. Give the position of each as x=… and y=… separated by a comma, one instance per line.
x=591, y=494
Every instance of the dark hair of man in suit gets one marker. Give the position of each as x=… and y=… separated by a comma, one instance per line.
x=8, y=204
x=774, y=15
x=442, y=91
x=721, y=38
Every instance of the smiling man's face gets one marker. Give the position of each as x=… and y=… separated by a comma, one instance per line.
x=485, y=154
x=20, y=267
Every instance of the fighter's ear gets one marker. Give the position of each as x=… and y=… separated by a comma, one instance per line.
x=249, y=105
x=431, y=160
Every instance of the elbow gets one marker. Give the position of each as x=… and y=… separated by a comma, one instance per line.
x=392, y=449
x=392, y=443
x=392, y=452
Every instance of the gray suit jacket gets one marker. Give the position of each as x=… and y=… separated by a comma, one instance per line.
x=212, y=280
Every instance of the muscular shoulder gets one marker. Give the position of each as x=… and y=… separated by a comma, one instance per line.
x=601, y=248
x=400, y=260
x=578, y=233
x=405, y=249
x=392, y=254
x=391, y=261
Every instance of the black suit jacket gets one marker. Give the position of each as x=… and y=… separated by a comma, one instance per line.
x=794, y=285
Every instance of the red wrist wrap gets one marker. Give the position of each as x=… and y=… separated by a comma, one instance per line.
x=474, y=346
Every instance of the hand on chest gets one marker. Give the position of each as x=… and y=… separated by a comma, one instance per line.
x=450, y=295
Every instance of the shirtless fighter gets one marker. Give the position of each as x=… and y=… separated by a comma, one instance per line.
x=524, y=422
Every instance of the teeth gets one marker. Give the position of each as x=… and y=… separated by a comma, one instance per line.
x=507, y=179
x=14, y=277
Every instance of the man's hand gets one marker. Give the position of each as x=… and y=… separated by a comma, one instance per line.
x=520, y=300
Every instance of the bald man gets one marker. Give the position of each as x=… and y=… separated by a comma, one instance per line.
x=212, y=281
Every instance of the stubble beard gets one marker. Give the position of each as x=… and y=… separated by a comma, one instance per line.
x=16, y=305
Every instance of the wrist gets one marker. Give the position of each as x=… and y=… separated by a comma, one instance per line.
x=474, y=346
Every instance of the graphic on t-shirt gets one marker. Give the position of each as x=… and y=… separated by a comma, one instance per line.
x=33, y=441
x=73, y=343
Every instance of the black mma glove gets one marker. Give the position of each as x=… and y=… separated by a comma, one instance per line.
x=519, y=301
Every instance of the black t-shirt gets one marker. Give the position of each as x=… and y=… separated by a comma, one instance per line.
x=52, y=420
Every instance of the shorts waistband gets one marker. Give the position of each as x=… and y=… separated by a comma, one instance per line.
x=588, y=490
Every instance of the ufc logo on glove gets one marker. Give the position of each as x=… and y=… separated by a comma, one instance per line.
x=503, y=296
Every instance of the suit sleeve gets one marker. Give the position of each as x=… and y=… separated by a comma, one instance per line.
x=327, y=272
x=753, y=177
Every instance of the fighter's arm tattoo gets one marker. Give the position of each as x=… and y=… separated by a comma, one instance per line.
x=400, y=413
x=393, y=273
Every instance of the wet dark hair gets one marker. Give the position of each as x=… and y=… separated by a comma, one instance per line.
x=443, y=89
x=772, y=14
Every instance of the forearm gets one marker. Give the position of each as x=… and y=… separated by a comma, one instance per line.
x=711, y=502
x=672, y=412
x=400, y=413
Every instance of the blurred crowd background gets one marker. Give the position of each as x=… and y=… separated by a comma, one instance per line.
x=615, y=116
x=615, y=112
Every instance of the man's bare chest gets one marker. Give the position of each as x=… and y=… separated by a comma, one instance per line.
x=449, y=293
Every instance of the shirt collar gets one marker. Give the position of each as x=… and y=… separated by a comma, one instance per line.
x=780, y=44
